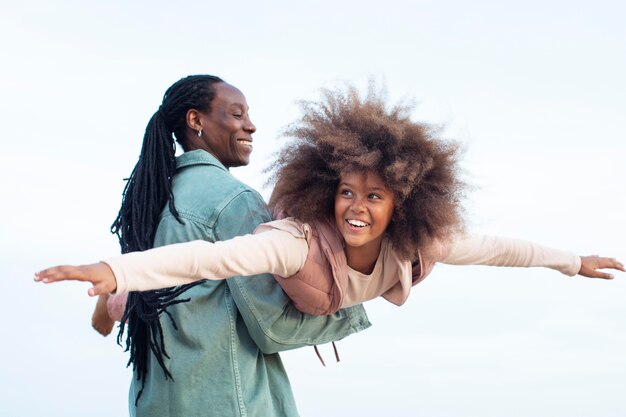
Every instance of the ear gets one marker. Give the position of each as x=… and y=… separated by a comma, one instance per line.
x=193, y=119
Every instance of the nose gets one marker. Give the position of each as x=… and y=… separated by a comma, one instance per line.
x=249, y=126
x=358, y=205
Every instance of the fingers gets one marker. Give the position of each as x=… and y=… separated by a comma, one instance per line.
x=589, y=272
x=69, y=273
x=600, y=274
x=99, y=289
x=103, y=330
x=590, y=266
x=617, y=265
x=61, y=273
x=99, y=274
x=611, y=263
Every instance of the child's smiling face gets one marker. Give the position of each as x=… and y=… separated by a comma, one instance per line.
x=363, y=210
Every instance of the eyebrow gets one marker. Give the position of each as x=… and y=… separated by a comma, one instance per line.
x=347, y=184
x=239, y=106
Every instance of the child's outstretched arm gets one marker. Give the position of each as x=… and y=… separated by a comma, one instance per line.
x=274, y=251
x=501, y=251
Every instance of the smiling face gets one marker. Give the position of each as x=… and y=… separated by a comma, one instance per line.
x=363, y=210
x=226, y=127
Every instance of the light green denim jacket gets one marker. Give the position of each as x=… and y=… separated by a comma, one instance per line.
x=223, y=355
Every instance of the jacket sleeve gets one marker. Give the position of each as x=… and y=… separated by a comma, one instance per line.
x=272, y=320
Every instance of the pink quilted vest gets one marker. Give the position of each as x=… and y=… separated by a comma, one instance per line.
x=318, y=288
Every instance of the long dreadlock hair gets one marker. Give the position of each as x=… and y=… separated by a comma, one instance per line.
x=148, y=190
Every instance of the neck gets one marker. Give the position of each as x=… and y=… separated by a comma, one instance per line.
x=363, y=258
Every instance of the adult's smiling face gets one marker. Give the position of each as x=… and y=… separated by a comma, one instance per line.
x=225, y=130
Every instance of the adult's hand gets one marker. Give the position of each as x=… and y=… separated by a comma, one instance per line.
x=101, y=321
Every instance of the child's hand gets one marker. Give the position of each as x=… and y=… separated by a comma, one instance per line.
x=589, y=266
x=100, y=275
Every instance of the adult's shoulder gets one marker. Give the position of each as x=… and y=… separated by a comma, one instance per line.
x=202, y=179
x=203, y=187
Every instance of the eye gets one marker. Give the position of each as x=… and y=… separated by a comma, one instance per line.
x=237, y=116
x=374, y=196
x=345, y=192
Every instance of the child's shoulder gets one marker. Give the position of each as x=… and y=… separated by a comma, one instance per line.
x=289, y=225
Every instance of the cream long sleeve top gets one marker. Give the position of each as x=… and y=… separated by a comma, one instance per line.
x=284, y=251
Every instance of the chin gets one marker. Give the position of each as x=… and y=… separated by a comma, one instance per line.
x=239, y=163
x=243, y=159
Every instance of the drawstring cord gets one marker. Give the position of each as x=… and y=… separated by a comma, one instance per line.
x=317, y=352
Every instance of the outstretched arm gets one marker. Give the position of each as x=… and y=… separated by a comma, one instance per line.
x=501, y=251
x=274, y=251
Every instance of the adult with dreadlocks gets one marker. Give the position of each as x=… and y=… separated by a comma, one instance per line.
x=374, y=204
x=214, y=350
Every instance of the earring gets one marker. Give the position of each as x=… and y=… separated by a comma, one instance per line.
x=199, y=133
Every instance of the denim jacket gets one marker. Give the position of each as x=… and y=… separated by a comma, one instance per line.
x=223, y=354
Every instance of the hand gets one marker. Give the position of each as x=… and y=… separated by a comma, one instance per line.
x=589, y=266
x=100, y=275
x=100, y=320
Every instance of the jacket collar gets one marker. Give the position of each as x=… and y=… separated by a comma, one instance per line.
x=198, y=157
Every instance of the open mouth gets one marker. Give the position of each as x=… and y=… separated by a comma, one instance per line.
x=246, y=142
x=357, y=223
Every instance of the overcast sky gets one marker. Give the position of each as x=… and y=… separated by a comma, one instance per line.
x=534, y=90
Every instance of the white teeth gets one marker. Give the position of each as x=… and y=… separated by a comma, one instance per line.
x=357, y=223
x=245, y=141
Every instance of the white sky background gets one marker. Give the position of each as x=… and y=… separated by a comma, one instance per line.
x=535, y=90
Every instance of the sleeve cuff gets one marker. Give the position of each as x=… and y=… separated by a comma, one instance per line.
x=122, y=284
